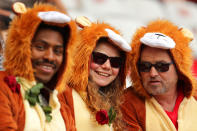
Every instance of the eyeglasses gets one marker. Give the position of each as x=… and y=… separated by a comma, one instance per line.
x=100, y=58
x=159, y=66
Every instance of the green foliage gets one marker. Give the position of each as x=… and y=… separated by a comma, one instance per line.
x=47, y=110
x=32, y=95
x=112, y=115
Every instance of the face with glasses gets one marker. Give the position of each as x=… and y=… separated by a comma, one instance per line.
x=157, y=71
x=105, y=64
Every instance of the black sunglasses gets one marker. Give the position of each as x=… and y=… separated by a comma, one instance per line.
x=100, y=58
x=159, y=66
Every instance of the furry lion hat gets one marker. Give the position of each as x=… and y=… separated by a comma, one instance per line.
x=20, y=34
x=89, y=35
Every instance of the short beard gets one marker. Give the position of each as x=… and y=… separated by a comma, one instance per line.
x=153, y=91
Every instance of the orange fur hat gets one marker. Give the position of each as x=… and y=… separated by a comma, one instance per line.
x=181, y=54
x=89, y=36
x=18, y=44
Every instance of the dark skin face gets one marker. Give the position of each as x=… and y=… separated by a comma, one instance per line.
x=47, y=54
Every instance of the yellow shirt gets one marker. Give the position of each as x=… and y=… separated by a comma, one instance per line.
x=34, y=115
x=83, y=118
x=158, y=120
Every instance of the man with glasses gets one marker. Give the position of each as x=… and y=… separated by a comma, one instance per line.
x=162, y=95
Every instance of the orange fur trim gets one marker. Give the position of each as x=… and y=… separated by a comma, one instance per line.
x=181, y=54
x=18, y=45
x=88, y=39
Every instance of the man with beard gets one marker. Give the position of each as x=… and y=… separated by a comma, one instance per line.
x=162, y=94
x=37, y=65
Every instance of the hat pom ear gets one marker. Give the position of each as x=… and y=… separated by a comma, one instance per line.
x=19, y=8
x=83, y=21
x=187, y=33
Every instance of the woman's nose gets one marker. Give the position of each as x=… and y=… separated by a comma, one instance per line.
x=106, y=65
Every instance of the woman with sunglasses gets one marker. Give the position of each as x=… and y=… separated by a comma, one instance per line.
x=162, y=97
x=99, y=76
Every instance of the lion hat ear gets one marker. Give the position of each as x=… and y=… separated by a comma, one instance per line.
x=83, y=21
x=19, y=8
x=187, y=33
